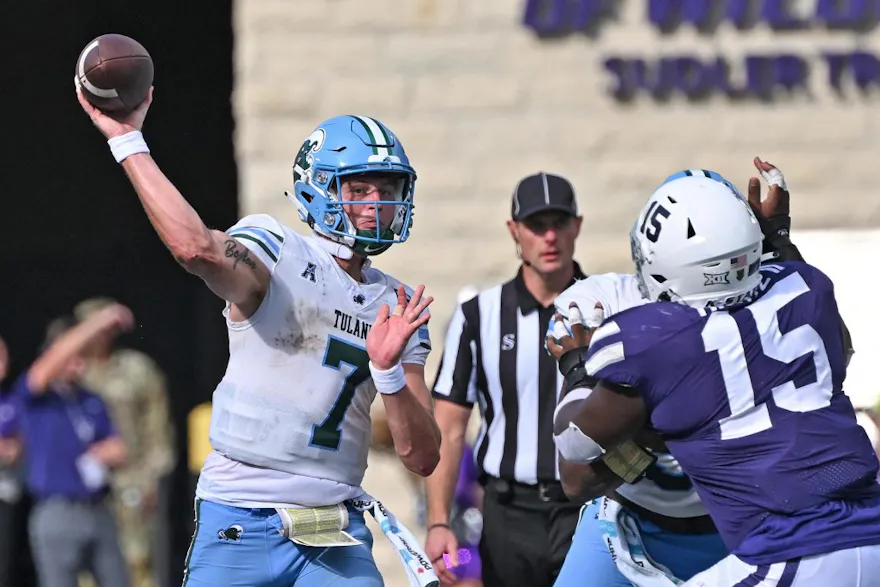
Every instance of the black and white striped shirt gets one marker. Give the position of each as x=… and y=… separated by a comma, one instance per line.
x=494, y=355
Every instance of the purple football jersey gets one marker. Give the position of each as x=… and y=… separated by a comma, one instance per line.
x=750, y=402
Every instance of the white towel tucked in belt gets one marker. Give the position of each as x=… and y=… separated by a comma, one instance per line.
x=622, y=536
x=419, y=569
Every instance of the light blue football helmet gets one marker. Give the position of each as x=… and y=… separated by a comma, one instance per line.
x=344, y=146
x=703, y=173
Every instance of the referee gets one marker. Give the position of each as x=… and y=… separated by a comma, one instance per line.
x=494, y=356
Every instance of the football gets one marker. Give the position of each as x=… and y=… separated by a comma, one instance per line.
x=115, y=73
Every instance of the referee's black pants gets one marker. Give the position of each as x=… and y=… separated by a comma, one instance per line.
x=527, y=530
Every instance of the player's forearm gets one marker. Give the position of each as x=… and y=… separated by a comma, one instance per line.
x=440, y=486
x=70, y=344
x=415, y=434
x=582, y=483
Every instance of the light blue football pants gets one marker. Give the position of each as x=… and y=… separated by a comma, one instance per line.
x=240, y=547
x=589, y=562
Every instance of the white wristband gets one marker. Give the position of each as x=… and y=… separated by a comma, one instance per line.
x=127, y=145
x=389, y=381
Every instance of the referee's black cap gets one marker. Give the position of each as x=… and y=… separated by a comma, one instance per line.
x=541, y=192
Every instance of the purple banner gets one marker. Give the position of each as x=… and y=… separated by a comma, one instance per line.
x=560, y=17
x=762, y=77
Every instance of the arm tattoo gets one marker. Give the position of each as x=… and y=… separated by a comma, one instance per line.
x=240, y=253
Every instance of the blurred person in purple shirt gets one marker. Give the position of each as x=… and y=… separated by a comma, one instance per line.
x=70, y=447
x=10, y=480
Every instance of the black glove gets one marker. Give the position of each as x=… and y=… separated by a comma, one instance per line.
x=777, y=241
x=571, y=365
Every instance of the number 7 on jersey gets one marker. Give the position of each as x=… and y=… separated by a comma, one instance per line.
x=328, y=434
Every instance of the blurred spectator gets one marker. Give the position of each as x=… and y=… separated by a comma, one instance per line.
x=133, y=387
x=10, y=482
x=70, y=445
x=4, y=362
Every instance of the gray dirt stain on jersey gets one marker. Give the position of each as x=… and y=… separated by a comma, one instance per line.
x=300, y=331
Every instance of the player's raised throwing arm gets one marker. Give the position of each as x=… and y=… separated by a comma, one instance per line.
x=226, y=266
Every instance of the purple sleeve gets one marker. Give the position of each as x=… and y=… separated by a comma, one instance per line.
x=8, y=417
x=20, y=391
x=608, y=359
x=12, y=405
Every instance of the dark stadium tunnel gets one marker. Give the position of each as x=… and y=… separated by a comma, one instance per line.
x=73, y=224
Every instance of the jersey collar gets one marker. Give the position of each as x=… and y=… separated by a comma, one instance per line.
x=527, y=302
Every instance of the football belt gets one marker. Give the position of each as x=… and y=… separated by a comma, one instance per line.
x=324, y=527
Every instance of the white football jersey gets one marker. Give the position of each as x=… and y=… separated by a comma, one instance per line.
x=294, y=404
x=666, y=490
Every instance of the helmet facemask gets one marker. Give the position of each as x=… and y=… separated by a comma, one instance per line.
x=375, y=240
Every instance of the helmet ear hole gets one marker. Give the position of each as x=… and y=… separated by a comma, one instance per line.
x=658, y=278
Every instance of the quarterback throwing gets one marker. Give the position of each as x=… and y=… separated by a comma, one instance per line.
x=314, y=333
